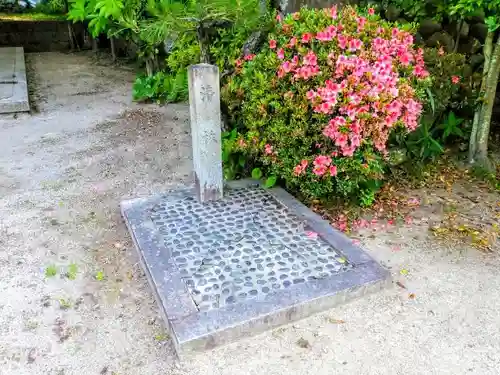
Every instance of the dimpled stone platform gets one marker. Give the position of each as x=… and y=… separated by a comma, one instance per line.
x=254, y=260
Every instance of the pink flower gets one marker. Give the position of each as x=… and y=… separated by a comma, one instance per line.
x=241, y=143
x=268, y=149
x=455, y=79
x=310, y=59
x=355, y=141
x=441, y=51
x=333, y=12
x=361, y=23
x=281, y=54
x=299, y=168
x=413, y=202
x=272, y=44
x=322, y=160
x=296, y=16
x=355, y=44
x=319, y=170
x=348, y=150
x=333, y=170
x=311, y=94
x=238, y=62
x=371, y=11
x=341, y=140
x=312, y=234
x=306, y=37
x=293, y=42
x=420, y=72
x=287, y=67
x=249, y=57
x=406, y=58
x=342, y=41
x=278, y=18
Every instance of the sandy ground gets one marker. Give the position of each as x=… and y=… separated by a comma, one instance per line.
x=63, y=172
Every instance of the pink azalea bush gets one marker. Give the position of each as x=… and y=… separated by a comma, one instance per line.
x=316, y=107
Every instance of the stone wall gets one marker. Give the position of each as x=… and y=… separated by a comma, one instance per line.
x=38, y=36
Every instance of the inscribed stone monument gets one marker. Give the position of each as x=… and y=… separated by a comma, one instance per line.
x=204, y=102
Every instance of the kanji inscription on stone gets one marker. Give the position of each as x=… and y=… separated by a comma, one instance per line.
x=207, y=93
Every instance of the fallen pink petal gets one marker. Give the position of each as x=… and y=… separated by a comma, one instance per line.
x=311, y=234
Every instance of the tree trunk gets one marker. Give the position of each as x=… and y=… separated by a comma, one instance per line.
x=149, y=67
x=204, y=45
x=94, y=44
x=459, y=31
x=71, y=37
x=483, y=128
x=473, y=142
x=71, y=34
x=113, y=52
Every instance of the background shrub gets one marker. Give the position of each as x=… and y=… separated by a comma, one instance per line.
x=315, y=108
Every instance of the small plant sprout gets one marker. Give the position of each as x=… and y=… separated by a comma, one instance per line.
x=161, y=337
x=64, y=304
x=99, y=276
x=50, y=271
x=72, y=271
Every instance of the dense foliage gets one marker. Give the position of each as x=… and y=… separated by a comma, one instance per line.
x=316, y=108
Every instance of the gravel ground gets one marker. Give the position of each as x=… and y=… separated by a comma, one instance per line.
x=63, y=172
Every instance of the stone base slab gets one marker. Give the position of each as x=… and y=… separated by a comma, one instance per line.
x=255, y=260
x=13, y=85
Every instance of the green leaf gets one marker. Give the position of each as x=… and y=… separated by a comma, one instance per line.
x=256, y=174
x=271, y=181
x=436, y=145
x=241, y=161
x=492, y=23
x=451, y=118
x=234, y=133
x=459, y=132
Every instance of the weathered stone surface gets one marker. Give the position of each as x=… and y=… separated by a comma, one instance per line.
x=290, y=6
x=479, y=30
x=39, y=36
x=13, y=85
x=429, y=27
x=441, y=39
x=475, y=61
x=235, y=267
x=467, y=71
x=464, y=30
x=418, y=38
x=204, y=105
x=470, y=47
x=392, y=12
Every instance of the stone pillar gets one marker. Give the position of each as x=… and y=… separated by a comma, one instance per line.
x=204, y=106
